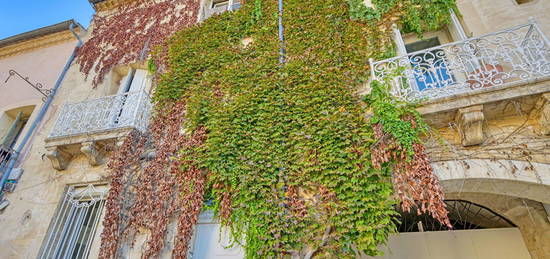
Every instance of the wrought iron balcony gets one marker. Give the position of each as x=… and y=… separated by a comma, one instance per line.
x=513, y=56
x=86, y=127
x=129, y=110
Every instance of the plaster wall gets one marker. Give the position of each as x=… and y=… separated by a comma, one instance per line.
x=529, y=216
x=481, y=17
x=43, y=65
x=461, y=244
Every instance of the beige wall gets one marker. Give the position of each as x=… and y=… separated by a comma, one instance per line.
x=461, y=244
x=38, y=193
x=43, y=64
x=25, y=221
x=485, y=16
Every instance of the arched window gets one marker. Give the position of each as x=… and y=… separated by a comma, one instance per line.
x=463, y=215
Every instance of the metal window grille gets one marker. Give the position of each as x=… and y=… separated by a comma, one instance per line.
x=73, y=228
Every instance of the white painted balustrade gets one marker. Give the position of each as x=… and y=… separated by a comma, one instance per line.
x=516, y=55
x=128, y=110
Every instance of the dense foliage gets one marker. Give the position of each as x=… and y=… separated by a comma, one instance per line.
x=293, y=164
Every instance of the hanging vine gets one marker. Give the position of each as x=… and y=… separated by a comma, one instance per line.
x=285, y=155
x=122, y=165
x=126, y=34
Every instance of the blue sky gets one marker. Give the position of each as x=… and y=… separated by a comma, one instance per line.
x=17, y=16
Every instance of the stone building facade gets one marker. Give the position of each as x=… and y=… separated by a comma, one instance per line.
x=490, y=147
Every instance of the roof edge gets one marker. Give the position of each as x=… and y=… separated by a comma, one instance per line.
x=58, y=27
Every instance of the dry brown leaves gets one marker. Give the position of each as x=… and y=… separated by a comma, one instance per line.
x=120, y=165
x=414, y=181
x=162, y=189
x=121, y=37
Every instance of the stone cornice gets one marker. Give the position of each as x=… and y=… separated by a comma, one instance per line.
x=36, y=43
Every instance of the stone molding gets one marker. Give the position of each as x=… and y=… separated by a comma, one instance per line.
x=522, y=179
x=36, y=43
x=62, y=149
x=110, y=4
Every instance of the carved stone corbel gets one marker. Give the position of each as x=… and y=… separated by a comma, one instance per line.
x=470, y=122
x=59, y=158
x=91, y=151
x=544, y=116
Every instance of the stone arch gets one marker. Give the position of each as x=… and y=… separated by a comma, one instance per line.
x=522, y=179
x=515, y=189
x=529, y=216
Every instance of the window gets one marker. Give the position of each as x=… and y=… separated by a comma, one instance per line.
x=73, y=228
x=209, y=243
x=12, y=133
x=220, y=3
x=129, y=86
x=212, y=7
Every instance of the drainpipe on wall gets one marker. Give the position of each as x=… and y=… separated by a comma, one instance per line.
x=41, y=114
x=282, y=51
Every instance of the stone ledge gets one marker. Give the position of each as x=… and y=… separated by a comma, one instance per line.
x=60, y=150
x=508, y=91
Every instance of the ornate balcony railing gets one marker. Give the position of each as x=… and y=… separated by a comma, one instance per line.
x=514, y=55
x=129, y=110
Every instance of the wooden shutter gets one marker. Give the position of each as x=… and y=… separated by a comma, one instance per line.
x=11, y=137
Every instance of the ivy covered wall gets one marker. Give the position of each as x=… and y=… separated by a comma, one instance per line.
x=285, y=154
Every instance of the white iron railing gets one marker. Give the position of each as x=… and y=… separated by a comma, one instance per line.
x=517, y=54
x=129, y=110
